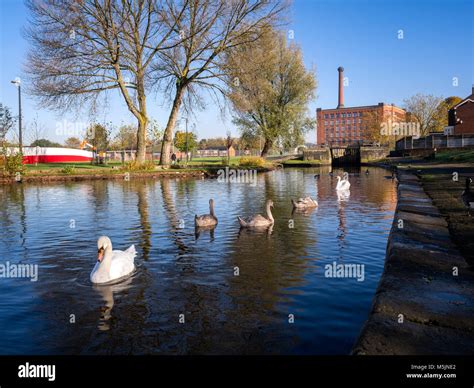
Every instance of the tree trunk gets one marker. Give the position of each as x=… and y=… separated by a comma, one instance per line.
x=266, y=147
x=141, y=140
x=142, y=122
x=165, y=157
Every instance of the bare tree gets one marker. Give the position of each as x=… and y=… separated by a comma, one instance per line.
x=82, y=49
x=425, y=110
x=208, y=28
x=35, y=130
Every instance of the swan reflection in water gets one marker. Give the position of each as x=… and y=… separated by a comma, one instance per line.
x=107, y=293
x=343, y=195
x=256, y=230
x=200, y=229
x=305, y=212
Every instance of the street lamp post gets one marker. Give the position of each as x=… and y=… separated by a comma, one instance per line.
x=17, y=82
x=186, y=141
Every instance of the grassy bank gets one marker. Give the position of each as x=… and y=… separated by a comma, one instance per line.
x=455, y=156
x=116, y=170
x=302, y=163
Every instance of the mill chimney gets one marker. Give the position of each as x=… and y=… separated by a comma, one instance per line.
x=340, y=104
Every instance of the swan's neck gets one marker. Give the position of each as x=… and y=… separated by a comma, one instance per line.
x=107, y=260
x=211, y=208
x=269, y=212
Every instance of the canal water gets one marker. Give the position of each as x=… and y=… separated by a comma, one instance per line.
x=229, y=291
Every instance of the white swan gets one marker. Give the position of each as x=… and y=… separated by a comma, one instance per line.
x=343, y=184
x=112, y=265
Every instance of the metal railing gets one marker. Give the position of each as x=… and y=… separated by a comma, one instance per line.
x=437, y=141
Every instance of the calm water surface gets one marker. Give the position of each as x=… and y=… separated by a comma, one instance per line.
x=281, y=272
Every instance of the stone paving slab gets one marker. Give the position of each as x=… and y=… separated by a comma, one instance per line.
x=419, y=258
x=422, y=219
x=426, y=280
x=413, y=188
x=384, y=335
x=419, y=209
x=415, y=200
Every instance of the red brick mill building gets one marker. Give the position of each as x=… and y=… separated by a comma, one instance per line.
x=344, y=126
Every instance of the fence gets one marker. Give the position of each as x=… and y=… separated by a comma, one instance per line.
x=437, y=141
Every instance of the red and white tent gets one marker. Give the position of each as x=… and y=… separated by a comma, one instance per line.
x=32, y=155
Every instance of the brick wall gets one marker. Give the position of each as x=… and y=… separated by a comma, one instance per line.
x=465, y=114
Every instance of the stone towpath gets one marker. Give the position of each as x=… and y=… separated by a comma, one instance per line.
x=424, y=303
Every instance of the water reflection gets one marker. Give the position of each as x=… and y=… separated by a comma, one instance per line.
x=107, y=293
x=204, y=229
x=145, y=230
x=303, y=211
x=235, y=288
x=343, y=196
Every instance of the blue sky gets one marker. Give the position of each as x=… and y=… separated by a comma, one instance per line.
x=362, y=36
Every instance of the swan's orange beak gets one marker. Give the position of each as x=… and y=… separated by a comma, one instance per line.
x=100, y=254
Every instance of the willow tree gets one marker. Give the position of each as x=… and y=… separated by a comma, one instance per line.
x=83, y=49
x=270, y=88
x=209, y=28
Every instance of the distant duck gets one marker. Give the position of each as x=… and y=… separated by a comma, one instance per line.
x=259, y=221
x=304, y=203
x=112, y=265
x=392, y=177
x=367, y=172
x=342, y=184
x=206, y=219
x=468, y=196
x=316, y=176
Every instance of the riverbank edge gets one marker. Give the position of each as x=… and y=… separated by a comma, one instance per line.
x=420, y=306
x=208, y=172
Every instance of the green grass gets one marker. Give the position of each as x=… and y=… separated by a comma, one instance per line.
x=297, y=162
x=455, y=156
x=86, y=168
x=78, y=166
x=212, y=161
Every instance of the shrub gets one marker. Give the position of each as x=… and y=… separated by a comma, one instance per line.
x=68, y=170
x=13, y=164
x=133, y=165
x=252, y=161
